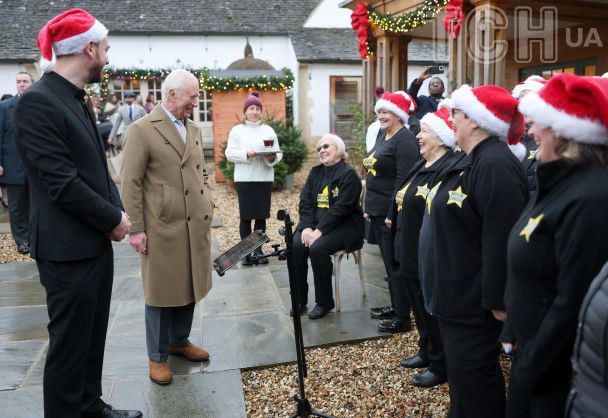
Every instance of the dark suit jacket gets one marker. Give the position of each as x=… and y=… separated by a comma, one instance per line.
x=74, y=203
x=426, y=104
x=10, y=160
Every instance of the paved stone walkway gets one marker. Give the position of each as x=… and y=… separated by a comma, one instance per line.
x=244, y=323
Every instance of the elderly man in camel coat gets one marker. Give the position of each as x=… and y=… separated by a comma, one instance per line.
x=168, y=200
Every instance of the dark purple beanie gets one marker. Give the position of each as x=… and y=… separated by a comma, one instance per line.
x=252, y=99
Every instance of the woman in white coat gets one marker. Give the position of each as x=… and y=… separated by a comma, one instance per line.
x=253, y=147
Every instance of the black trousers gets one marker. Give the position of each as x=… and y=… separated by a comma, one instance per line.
x=429, y=342
x=396, y=288
x=245, y=226
x=549, y=401
x=477, y=388
x=18, y=210
x=78, y=297
x=322, y=265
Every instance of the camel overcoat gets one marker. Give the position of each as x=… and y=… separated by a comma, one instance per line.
x=166, y=195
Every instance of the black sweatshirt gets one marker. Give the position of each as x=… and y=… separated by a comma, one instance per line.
x=331, y=197
x=387, y=164
x=555, y=249
x=408, y=210
x=479, y=200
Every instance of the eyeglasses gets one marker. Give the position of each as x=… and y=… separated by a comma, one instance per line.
x=324, y=146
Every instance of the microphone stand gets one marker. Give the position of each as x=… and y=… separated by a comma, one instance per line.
x=303, y=409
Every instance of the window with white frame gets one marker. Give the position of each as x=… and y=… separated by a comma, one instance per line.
x=154, y=88
x=120, y=87
x=204, y=106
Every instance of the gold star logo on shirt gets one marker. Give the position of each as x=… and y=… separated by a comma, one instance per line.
x=430, y=196
x=456, y=197
x=532, y=154
x=422, y=191
x=369, y=162
x=400, y=195
x=530, y=227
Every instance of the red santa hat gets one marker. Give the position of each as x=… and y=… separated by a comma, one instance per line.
x=532, y=83
x=441, y=125
x=68, y=33
x=572, y=106
x=395, y=103
x=493, y=109
x=413, y=105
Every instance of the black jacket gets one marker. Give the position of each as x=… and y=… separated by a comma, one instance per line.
x=589, y=395
x=331, y=198
x=10, y=160
x=426, y=252
x=387, y=164
x=407, y=211
x=426, y=104
x=472, y=213
x=556, y=247
x=74, y=203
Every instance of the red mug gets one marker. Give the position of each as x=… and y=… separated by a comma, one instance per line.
x=268, y=142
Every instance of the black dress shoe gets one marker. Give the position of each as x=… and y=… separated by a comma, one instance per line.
x=415, y=362
x=319, y=311
x=109, y=412
x=302, y=310
x=385, y=312
x=394, y=326
x=247, y=261
x=23, y=248
x=428, y=379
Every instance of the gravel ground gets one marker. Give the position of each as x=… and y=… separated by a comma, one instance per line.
x=353, y=380
x=8, y=250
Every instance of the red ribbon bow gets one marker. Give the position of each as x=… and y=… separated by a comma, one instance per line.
x=359, y=22
x=453, y=14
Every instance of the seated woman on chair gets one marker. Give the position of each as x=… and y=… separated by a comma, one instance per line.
x=330, y=220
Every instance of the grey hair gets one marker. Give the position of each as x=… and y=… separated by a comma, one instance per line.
x=28, y=74
x=175, y=81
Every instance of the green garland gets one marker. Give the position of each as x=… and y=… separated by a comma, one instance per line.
x=274, y=83
x=405, y=23
x=207, y=82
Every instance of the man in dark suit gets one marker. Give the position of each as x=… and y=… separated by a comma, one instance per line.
x=427, y=104
x=75, y=212
x=12, y=172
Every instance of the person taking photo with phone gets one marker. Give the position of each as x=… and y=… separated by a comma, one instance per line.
x=427, y=104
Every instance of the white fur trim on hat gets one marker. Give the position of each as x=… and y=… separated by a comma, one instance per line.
x=76, y=44
x=447, y=103
x=393, y=108
x=519, y=150
x=563, y=124
x=465, y=100
x=438, y=126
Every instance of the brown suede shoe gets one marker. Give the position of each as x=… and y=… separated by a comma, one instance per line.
x=190, y=352
x=160, y=372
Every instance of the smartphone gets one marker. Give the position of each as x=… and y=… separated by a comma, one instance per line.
x=436, y=69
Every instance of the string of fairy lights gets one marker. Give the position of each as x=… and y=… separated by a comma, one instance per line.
x=405, y=23
x=207, y=82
